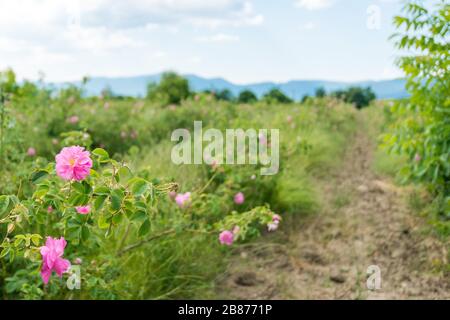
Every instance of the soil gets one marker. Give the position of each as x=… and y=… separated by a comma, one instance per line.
x=364, y=221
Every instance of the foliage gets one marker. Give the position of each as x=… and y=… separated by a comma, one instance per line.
x=276, y=96
x=136, y=242
x=172, y=89
x=421, y=129
x=320, y=92
x=224, y=95
x=360, y=97
x=247, y=96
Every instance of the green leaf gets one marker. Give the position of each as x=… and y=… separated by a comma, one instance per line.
x=12, y=254
x=73, y=233
x=99, y=202
x=35, y=238
x=38, y=175
x=141, y=205
x=138, y=187
x=116, y=199
x=85, y=233
x=41, y=191
x=82, y=187
x=4, y=252
x=78, y=200
x=102, y=190
x=4, y=204
x=78, y=186
x=123, y=174
x=117, y=218
x=103, y=222
x=18, y=241
x=102, y=155
x=145, y=228
x=139, y=216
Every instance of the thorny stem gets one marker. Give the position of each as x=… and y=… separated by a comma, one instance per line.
x=125, y=236
x=208, y=183
x=140, y=243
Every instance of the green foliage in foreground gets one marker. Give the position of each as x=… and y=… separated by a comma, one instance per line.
x=421, y=129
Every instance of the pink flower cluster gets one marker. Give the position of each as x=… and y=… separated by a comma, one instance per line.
x=272, y=226
x=73, y=120
x=417, y=157
x=227, y=237
x=31, y=152
x=73, y=163
x=239, y=198
x=183, y=199
x=52, y=259
x=83, y=209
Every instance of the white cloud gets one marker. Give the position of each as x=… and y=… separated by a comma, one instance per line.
x=220, y=38
x=99, y=39
x=136, y=13
x=195, y=60
x=391, y=72
x=45, y=34
x=244, y=15
x=125, y=14
x=314, y=4
x=309, y=26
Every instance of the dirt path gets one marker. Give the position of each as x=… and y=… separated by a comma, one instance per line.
x=365, y=221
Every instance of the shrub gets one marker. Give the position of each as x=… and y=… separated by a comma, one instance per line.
x=320, y=92
x=224, y=95
x=422, y=128
x=247, y=96
x=172, y=89
x=360, y=97
x=276, y=96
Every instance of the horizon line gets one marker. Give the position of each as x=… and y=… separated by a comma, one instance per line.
x=221, y=78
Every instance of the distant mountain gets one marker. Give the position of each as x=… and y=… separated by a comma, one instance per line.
x=296, y=89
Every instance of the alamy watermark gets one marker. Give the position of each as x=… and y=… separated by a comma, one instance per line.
x=373, y=21
x=374, y=277
x=251, y=146
x=74, y=279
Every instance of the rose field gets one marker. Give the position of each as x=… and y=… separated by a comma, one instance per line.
x=92, y=205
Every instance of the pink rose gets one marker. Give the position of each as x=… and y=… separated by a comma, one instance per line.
x=73, y=163
x=52, y=259
x=31, y=152
x=183, y=199
x=239, y=198
x=272, y=226
x=73, y=119
x=226, y=237
x=417, y=157
x=172, y=195
x=83, y=209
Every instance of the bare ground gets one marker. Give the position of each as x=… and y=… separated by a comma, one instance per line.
x=365, y=220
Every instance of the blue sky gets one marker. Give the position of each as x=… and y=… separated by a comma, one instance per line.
x=240, y=40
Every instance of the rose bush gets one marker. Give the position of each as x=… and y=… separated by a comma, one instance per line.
x=80, y=202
